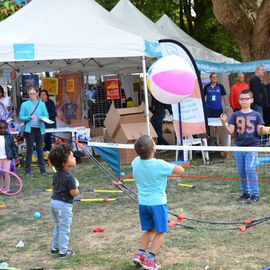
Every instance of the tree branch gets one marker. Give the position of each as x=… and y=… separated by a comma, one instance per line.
x=250, y=7
x=261, y=32
x=181, y=16
x=187, y=9
x=233, y=18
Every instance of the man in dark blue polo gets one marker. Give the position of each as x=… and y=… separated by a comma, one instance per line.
x=214, y=93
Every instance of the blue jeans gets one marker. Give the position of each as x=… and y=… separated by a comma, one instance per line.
x=246, y=166
x=62, y=218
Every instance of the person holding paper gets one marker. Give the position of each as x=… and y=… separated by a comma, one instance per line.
x=32, y=112
x=44, y=95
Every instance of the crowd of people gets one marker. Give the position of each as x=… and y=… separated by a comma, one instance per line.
x=215, y=93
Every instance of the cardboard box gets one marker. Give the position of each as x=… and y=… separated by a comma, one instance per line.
x=168, y=128
x=108, y=138
x=129, y=133
x=116, y=117
x=169, y=133
x=96, y=132
x=127, y=155
x=170, y=138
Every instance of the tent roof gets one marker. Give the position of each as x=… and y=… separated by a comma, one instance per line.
x=66, y=29
x=165, y=28
x=128, y=13
x=199, y=51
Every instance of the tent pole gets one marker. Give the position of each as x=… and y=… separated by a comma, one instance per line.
x=146, y=96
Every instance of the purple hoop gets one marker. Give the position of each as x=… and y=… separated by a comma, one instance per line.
x=19, y=180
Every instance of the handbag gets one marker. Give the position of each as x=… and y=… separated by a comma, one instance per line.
x=21, y=132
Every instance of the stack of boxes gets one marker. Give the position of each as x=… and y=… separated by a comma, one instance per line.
x=126, y=126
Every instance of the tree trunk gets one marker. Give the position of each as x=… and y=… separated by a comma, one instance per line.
x=249, y=25
x=187, y=9
x=181, y=16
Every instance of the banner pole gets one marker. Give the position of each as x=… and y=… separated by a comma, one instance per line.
x=146, y=96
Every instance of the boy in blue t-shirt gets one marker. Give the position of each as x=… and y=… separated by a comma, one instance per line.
x=150, y=176
x=247, y=125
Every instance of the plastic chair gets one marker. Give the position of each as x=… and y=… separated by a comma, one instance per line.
x=189, y=141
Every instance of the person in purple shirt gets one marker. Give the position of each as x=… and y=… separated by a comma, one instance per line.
x=247, y=125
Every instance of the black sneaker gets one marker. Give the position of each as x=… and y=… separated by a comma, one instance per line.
x=54, y=251
x=253, y=200
x=69, y=253
x=244, y=197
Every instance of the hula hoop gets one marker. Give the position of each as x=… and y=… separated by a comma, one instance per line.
x=19, y=181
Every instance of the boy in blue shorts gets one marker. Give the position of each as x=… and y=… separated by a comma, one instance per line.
x=150, y=176
x=247, y=125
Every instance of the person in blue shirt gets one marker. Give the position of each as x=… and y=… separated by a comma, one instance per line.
x=247, y=125
x=150, y=176
x=32, y=112
x=214, y=93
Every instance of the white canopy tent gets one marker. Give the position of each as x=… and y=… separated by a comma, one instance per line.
x=165, y=29
x=68, y=35
x=198, y=51
x=131, y=16
x=65, y=35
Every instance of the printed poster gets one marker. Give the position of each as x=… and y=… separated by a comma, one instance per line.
x=51, y=85
x=112, y=88
x=70, y=85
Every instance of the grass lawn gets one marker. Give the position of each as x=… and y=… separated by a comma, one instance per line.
x=114, y=248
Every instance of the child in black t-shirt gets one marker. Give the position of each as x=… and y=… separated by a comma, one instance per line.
x=64, y=189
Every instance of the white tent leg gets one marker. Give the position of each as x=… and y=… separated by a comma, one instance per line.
x=146, y=96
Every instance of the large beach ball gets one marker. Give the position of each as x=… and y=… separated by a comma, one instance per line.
x=170, y=79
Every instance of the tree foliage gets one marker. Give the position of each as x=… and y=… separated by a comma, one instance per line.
x=211, y=33
x=7, y=8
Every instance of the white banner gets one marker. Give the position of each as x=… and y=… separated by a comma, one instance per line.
x=191, y=115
